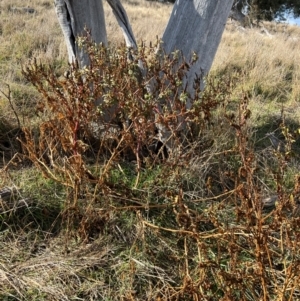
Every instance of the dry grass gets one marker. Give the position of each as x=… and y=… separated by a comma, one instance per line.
x=191, y=228
x=148, y=20
x=269, y=61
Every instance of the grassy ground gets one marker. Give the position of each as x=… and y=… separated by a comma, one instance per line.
x=189, y=227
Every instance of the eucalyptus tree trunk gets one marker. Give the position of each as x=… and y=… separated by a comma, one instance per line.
x=76, y=15
x=196, y=26
x=195, y=29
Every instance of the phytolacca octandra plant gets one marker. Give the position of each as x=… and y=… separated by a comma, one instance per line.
x=116, y=103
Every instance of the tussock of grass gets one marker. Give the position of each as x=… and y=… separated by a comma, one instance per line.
x=266, y=66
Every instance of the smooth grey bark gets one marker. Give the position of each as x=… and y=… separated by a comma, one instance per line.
x=76, y=15
x=123, y=22
x=196, y=26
